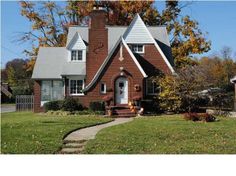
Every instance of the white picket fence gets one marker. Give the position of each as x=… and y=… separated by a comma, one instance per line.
x=24, y=102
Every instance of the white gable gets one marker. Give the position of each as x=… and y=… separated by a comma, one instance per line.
x=76, y=43
x=137, y=32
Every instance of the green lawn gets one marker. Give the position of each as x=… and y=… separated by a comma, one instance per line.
x=28, y=133
x=166, y=135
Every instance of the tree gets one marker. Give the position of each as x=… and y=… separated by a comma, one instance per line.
x=219, y=71
x=181, y=92
x=50, y=23
x=168, y=98
x=226, y=52
x=187, y=39
x=18, y=77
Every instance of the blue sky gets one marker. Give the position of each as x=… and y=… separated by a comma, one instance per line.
x=218, y=18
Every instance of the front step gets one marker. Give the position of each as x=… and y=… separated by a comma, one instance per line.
x=73, y=147
x=122, y=111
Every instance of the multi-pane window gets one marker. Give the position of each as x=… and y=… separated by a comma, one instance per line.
x=103, y=88
x=137, y=48
x=76, y=87
x=51, y=90
x=76, y=55
x=152, y=87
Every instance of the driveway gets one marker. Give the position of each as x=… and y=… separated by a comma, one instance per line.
x=8, y=108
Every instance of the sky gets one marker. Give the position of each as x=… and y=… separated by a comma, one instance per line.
x=217, y=19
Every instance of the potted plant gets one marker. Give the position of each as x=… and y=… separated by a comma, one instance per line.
x=109, y=111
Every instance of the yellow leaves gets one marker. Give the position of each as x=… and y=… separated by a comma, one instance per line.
x=30, y=65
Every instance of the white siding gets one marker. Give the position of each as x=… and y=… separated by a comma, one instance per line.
x=77, y=43
x=138, y=32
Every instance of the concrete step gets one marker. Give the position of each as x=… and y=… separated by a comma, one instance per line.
x=125, y=115
x=75, y=141
x=73, y=145
x=71, y=150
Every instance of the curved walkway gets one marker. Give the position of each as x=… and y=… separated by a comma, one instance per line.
x=75, y=141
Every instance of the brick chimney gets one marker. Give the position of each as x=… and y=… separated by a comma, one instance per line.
x=98, y=42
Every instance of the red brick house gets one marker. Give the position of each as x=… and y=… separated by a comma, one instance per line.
x=101, y=60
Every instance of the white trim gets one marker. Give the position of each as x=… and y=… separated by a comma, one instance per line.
x=108, y=58
x=153, y=40
x=158, y=48
x=77, y=54
x=105, y=88
x=134, y=59
x=164, y=57
x=76, y=94
x=136, y=44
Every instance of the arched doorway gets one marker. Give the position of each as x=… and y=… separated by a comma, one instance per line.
x=121, y=90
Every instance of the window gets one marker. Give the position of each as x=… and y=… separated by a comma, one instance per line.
x=51, y=90
x=151, y=87
x=76, y=55
x=137, y=48
x=103, y=88
x=76, y=87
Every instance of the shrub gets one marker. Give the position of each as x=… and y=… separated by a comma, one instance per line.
x=70, y=104
x=191, y=116
x=97, y=106
x=150, y=106
x=207, y=117
x=53, y=105
x=199, y=117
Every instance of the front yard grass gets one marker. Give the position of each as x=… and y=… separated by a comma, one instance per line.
x=166, y=135
x=29, y=133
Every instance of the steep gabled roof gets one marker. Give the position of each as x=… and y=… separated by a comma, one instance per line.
x=135, y=34
x=159, y=33
x=52, y=63
x=76, y=39
x=122, y=41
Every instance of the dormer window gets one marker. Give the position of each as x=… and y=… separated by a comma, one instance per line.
x=137, y=48
x=76, y=55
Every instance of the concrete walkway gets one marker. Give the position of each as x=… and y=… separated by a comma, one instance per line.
x=8, y=108
x=75, y=141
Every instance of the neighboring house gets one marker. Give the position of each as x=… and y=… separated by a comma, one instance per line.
x=101, y=60
x=233, y=80
x=6, y=93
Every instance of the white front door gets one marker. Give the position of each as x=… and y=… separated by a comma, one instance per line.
x=121, y=86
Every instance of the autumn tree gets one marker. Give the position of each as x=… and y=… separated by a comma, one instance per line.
x=187, y=38
x=50, y=23
x=17, y=76
x=181, y=92
x=48, y=26
x=219, y=71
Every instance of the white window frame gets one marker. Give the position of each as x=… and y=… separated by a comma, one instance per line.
x=77, y=56
x=153, y=87
x=76, y=94
x=136, y=51
x=51, y=82
x=105, y=88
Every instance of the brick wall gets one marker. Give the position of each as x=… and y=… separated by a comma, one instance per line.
x=37, y=96
x=98, y=43
x=111, y=73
